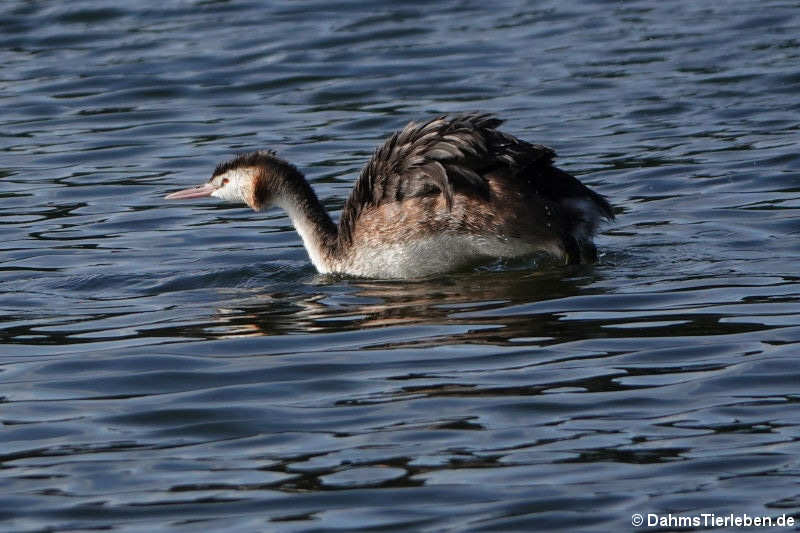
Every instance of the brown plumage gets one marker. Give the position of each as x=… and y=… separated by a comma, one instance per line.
x=435, y=196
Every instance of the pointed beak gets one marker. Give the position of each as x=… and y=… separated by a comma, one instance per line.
x=195, y=192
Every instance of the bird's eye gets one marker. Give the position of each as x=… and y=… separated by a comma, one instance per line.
x=224, y=181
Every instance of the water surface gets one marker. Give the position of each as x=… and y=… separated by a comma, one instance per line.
x=168, y=366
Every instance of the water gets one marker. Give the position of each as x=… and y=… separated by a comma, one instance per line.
x=170, y=366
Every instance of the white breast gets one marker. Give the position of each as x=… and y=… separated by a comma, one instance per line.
x=434, y=255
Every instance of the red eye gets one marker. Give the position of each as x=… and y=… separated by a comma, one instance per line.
x=224, y=181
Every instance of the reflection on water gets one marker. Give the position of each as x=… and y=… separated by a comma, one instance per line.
x=169, y=366
x=348, y=304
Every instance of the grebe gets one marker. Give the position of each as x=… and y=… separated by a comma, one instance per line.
x=436, y=196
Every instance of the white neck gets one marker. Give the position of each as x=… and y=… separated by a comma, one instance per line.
x=314, y=238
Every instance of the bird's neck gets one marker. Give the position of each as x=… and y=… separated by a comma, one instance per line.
x=311, y=221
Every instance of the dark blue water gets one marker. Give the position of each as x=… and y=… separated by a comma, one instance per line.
x=178, y=366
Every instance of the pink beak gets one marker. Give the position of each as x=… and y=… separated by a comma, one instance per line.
x=195, y=192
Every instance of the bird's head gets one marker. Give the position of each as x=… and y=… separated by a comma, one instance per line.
x=255, y=179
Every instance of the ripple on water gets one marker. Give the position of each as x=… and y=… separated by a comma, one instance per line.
x=169, y=365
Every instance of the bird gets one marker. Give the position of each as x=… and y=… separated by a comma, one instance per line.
x=439, y=195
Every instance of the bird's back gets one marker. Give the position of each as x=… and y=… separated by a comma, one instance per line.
x=458, y=180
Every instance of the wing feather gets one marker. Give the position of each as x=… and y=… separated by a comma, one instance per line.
x=450, y=153
x=433, y=157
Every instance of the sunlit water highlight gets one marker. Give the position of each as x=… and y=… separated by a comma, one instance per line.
x=165, y=367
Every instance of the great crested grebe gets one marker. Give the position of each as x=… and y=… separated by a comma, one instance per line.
x=436, y=196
